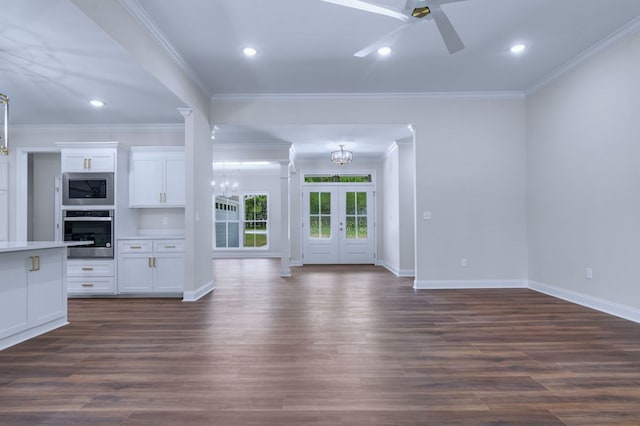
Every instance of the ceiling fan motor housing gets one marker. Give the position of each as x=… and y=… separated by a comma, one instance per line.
x=420, y=12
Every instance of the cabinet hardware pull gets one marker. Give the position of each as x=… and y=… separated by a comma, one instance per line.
x=87, y=285
x=33, y=263
x=169, y=246
x=135, y=247
x=161, y=197
x=89, y=162
x=149, y=262
x=37, y=263
x=87, y=269
x=154, y=262
x=164, y=196
x=84, y=163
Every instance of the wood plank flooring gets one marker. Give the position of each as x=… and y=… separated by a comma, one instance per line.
x=333, y=345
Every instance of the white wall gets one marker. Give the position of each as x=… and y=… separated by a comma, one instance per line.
x=389, y=217
x=470, y=172
x=584, y=193
x=44, y=167
x=257, y=181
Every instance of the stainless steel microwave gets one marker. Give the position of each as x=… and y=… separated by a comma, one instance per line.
x=87, y=189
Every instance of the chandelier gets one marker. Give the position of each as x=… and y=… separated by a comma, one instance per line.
x=4, y=148
x=341, y=156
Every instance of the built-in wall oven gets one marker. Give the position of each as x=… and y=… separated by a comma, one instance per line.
x=87, y=189
x=89, y=225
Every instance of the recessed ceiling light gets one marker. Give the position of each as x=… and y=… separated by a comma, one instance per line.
x=96, y=103
x=249, y=51
x=384, y=51
x=518, y=48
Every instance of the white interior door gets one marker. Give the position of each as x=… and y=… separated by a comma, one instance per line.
x=338, y=224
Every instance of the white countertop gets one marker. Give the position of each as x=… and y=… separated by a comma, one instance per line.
x=11, y=246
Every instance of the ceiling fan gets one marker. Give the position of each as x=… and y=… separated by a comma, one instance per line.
x=415, y=11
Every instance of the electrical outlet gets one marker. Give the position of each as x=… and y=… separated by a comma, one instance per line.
x=426, y=215
x=588, y=273
x=464, y=262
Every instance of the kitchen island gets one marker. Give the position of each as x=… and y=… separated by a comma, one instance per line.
x=33, y=291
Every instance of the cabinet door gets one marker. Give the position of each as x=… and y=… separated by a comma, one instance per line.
x=174, y=182
x=169, y=272
x=4, y=215
x=4, y=174
x=74, y=161
x=99, y=161
x=13, y=293
x=135, y=273
x=145, y=182
x=46, y=293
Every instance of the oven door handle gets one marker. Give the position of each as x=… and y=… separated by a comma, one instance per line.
x=88, y=219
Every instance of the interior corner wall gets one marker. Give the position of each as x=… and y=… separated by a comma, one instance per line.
x=390, y=254
x=583, y=185
x=471, y=173
x=406, y=205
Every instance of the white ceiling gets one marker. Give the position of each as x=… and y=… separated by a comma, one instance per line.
x=53, y=58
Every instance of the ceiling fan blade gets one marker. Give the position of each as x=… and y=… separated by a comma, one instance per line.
x=384, y=41
x=370, y=7
x=448, y=33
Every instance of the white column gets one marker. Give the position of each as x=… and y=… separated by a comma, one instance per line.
x=285, y=237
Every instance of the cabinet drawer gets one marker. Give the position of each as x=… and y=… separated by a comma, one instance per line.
x=90, y=268
x=135, y=246
x=172, y=246
x=91, y=285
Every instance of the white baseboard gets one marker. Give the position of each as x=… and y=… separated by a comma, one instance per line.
x=399, y=272
x=467, y=284
x=32, y=332
x=194, y=296
x=602, y=305
x=295, y=262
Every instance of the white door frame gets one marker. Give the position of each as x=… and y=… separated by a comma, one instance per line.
x=21, y=188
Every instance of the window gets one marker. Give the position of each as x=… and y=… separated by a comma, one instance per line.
x=337, y=179
x=241, y=221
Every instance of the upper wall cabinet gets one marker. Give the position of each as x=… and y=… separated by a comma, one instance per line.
x=157, y=177
x=4, y=199
x=88, y=160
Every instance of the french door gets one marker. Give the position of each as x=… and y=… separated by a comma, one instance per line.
x=338, y=224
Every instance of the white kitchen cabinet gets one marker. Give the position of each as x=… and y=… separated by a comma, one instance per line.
x=157, y=177
x=4, y=199
x=32, y=295
x=87, y=277
x=88, y=160
x=151, y=266
x=4, y=174
x=4, y=215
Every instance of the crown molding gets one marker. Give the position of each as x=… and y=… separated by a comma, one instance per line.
x=366, y=96
x=628, y=30
x=101, y=128
x=140, y=14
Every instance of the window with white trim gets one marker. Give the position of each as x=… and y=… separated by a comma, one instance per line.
x=242, y=221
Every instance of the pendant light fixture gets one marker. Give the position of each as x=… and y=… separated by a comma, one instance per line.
x=341, y=156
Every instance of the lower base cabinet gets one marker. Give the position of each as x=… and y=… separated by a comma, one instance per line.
x=151, y=267
x=88, y=277
x=32, y=294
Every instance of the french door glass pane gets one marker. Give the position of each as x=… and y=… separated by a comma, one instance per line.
x=325, y=227
x=351, y=203
x=362, y=227
x=362, y=203
x=356, y=215
x=325, y=202
x=319, y=215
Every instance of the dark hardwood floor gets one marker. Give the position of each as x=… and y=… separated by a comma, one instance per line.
x=333, y=345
